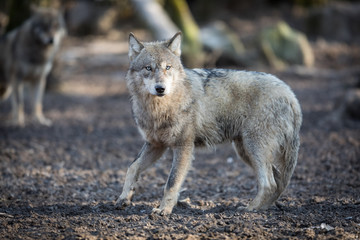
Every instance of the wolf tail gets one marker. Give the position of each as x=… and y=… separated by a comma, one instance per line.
x=290, y=151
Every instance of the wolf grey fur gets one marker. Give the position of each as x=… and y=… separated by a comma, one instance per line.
x=26, y=56
x=181, y=109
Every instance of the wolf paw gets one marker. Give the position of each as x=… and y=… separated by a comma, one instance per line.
x=242, y=209
x=122, y=204
x=44, y=121
x=17, y=120
x=161, y=212
x=247, y=209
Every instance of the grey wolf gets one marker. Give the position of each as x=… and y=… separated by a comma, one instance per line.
x=26, y=56
x=181, y=109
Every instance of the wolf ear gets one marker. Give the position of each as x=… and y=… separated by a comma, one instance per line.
x=174, y=44
x=134, y=47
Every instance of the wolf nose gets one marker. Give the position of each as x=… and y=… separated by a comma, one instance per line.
x=50, y=41
x=159, y=89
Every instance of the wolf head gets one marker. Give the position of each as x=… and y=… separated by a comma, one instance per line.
x=47, y=26
x=155, y=66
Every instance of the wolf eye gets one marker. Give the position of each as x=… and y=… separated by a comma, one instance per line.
x=148, y=68
x=168, y=67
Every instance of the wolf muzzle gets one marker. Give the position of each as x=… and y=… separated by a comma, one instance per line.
x=160, y=90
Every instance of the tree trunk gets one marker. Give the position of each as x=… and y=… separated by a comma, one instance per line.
x=155, y=18
x=161, y=25
x=192, y=48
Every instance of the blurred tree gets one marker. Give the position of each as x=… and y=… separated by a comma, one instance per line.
x=156, y=19
x=20, y=10
x=4, y=19
x=311, y=3
x=162, y=26
x=192, y=47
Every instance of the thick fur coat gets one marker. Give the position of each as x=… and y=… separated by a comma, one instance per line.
x=181, y=108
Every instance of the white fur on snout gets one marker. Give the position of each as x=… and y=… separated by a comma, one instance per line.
x=151, y=84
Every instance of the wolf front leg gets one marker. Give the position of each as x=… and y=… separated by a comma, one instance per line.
x=181, y=163
x=17, y=102
x=39, y=89
x=147, y=156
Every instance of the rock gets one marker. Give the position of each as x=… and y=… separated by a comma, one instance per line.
x=282, y=45
x=88, y=17
x=336, y=21
x=327, y=227
x=219, y=39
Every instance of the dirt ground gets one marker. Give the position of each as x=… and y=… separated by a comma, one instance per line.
x=60, y=182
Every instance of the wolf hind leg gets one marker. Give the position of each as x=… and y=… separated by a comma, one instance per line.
x=261, y=159
x=147, y=156
x=239, y=149
x=268, y=191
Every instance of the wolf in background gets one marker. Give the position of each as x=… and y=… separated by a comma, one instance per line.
x=26, y=56
x=181, y=109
